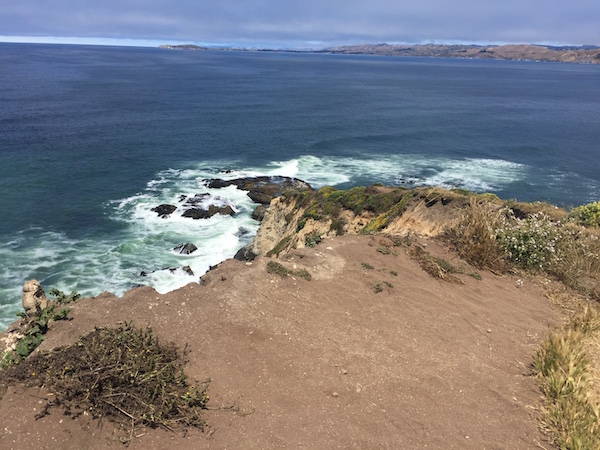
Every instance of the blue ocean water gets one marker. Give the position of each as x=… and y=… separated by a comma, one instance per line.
x=91, y=138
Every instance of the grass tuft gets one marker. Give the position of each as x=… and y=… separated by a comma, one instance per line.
x=474, y=236
x=562, y=369
x=276, y=268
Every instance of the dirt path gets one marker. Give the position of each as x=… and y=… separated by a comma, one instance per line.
x=327, y=363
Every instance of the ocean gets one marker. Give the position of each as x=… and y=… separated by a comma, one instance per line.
x=92, y=138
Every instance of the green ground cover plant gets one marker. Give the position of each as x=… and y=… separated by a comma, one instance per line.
x=276, y=268
x=36, y=327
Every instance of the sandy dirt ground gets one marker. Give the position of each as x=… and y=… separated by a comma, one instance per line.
x=327, y=363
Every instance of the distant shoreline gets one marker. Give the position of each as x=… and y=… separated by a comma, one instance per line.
x=586, y=54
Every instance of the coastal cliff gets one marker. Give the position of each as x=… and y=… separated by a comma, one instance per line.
x=357, y=306
x=303, y=218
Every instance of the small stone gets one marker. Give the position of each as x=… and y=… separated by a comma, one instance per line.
x=489, y=330
x=335, y=395
x=344, y=372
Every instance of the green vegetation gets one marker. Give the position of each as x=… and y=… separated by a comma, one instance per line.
x=530, y=243
x=492, y=236
x=327, y=204
x=281, y=245
x=587, y=215
x=35, y=328
x=438, y=267
x=276, y=268
x=312, y=239
x=122, y=374
x=383, y=220
x=61, y=298
x=367, y=266
x=384, y=250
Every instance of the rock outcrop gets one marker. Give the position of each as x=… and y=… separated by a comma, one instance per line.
x=261, y=189
x=164, y=210
x=34, y=299
x=201, y=213
x=299, y=221
x=186, y=249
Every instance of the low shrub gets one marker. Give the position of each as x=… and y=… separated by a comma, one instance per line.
x=312, y=239
x=34, y=334
x=276, y=268
x=530, y=243
x=587, y=215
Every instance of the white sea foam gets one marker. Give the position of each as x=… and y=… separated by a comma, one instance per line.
x=145, y=242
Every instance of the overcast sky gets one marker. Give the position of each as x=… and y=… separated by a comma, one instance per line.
x=308, y=23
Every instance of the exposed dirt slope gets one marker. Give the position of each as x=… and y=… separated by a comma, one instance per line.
x=326, y=363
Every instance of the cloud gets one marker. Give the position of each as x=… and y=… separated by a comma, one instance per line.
x=333, y=21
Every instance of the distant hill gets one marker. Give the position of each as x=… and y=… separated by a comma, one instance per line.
x=526, y=52
x=587, y=54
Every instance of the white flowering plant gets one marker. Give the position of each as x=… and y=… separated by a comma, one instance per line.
x=530, y=243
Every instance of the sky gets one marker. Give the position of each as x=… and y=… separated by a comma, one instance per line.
x=301, y=23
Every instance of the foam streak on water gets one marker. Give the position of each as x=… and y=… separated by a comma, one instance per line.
x=146, y=242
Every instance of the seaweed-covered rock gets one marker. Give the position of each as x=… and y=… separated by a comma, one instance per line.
x=164, y=210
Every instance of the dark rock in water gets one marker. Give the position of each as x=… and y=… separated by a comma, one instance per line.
x=245, y=253
x=199, y=213
x=223, y=210
x=217, y=183
x=196, y=199
x=196, y=213
x=143, y=273
x=186, y=269
x=241, y=232
x=164, y=210
x=186, y=249
x=261, y=197
x=261, y=189
x=259, y=213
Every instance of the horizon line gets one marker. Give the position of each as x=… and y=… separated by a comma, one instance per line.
x=292, y=45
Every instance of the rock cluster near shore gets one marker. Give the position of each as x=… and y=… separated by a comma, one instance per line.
x=261, y=190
